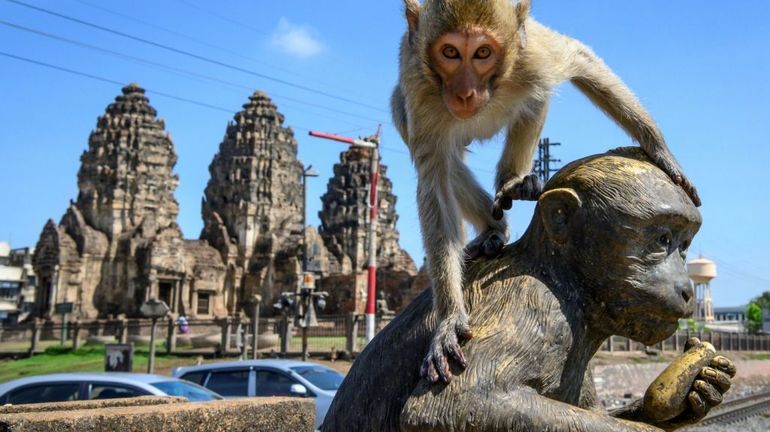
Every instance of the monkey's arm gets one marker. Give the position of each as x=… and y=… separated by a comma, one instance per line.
x=520, y=410
x=441, y=226
x=597, y=81
x=514, y=181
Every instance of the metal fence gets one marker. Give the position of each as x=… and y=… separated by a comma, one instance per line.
x=277, y=336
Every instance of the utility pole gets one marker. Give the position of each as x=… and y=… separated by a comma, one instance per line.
x=542, y=166
x=307, y=172
x=371, y=143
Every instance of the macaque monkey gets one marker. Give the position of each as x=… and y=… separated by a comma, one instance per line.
x=469, y=68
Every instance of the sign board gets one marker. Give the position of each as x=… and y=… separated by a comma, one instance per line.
x=63, y=308
x=118, y=357
x=154, y=309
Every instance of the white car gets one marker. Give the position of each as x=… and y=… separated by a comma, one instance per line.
x=268, y=378
x=64, y=387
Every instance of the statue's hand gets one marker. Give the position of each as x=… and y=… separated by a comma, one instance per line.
x=689, y=387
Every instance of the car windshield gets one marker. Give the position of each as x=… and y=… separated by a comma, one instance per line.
x=321, y=377
x=193, y=392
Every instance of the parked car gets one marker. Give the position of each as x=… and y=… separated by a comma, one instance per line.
x=64, y=387
x=268, y=378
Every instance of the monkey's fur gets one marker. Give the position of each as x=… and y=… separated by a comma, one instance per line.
x=513, y=96
x=603, y=255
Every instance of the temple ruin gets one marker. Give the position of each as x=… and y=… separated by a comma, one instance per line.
x=119, y=244
x=252, y=210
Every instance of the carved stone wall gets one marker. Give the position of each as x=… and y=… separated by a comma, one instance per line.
x=252, y=209
x=118, y=244
x=345, y=215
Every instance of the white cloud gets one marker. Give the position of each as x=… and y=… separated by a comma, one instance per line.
x=295, y=39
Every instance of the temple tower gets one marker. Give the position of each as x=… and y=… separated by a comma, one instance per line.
x=126, y=174
x=118, y=244
x=252, y=209
x=345, y=216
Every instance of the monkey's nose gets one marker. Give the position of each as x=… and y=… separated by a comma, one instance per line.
x=466, y=96
x=686, y=290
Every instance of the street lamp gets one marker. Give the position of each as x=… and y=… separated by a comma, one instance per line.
x=371, y=143
x=307, y=172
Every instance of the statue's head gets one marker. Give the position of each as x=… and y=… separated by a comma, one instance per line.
x=621, y=228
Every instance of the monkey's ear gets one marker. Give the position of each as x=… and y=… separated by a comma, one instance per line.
x=522, y=9
x=522, y=12
x=557, y=206
x=412, y=11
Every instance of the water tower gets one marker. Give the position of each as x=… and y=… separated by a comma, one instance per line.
x=701, y=272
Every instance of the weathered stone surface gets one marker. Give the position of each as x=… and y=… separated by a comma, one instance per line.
x=252, y=209
x=345, y=216
x=90, y=404
x=118, y=244
x=253, y=414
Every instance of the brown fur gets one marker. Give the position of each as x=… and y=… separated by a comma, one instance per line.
x=535, y=59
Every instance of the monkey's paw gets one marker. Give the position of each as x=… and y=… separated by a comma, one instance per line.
x=693, y=384
x=445, y=345
x=489, y=243
x=677, y=176
x=528, y=188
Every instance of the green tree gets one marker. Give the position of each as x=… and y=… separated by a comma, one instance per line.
x=753, y=318
x=763, y=300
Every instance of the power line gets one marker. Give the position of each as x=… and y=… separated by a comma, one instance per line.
x=193, y=55
x=155, y=92
x=111, y=81
x=200, y=41
x=173, y=68
x=222, y=17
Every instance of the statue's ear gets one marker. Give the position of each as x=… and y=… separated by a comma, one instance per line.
x=412, y=11
x=556, y=208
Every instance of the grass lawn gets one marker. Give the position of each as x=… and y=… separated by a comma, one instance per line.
x=88, y=359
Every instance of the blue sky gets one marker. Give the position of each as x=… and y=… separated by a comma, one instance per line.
x=701, y=68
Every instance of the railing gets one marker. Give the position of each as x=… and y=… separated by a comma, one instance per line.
x=334, y=335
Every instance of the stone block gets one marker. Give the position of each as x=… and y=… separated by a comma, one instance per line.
x=252, y=414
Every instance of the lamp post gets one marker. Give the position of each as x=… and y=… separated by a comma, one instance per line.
x=371, y=143
x=307, y=172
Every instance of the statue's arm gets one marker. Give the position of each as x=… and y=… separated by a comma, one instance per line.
x=520, y=410
x=685, y=392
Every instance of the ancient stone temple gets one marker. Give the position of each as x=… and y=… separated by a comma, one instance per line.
x=344, y=230
x=252, y=209
x=119, y=244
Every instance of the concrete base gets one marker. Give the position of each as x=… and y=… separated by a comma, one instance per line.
x=253, y=414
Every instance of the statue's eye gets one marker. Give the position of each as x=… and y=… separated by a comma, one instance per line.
x=450, y=52
x=483, y=52
x=665, y=240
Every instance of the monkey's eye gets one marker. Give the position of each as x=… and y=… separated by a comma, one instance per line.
x=665, y=240
x=483, y=52
x=450, y=52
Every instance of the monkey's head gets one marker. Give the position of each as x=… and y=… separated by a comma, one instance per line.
x=620, y=229
x=466, y=46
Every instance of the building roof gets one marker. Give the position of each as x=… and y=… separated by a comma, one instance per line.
x=730, y=309
x=8, y=273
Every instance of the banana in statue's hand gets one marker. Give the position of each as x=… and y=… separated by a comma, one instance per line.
x=690, y=386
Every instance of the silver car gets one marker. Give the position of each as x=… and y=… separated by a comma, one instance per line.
x=268, y=378
x=64, y=387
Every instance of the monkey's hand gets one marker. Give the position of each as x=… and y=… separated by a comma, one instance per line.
x=489, y=243
x=670, y=167
x=527, y=188
x=446, y=343
x=688, y=388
